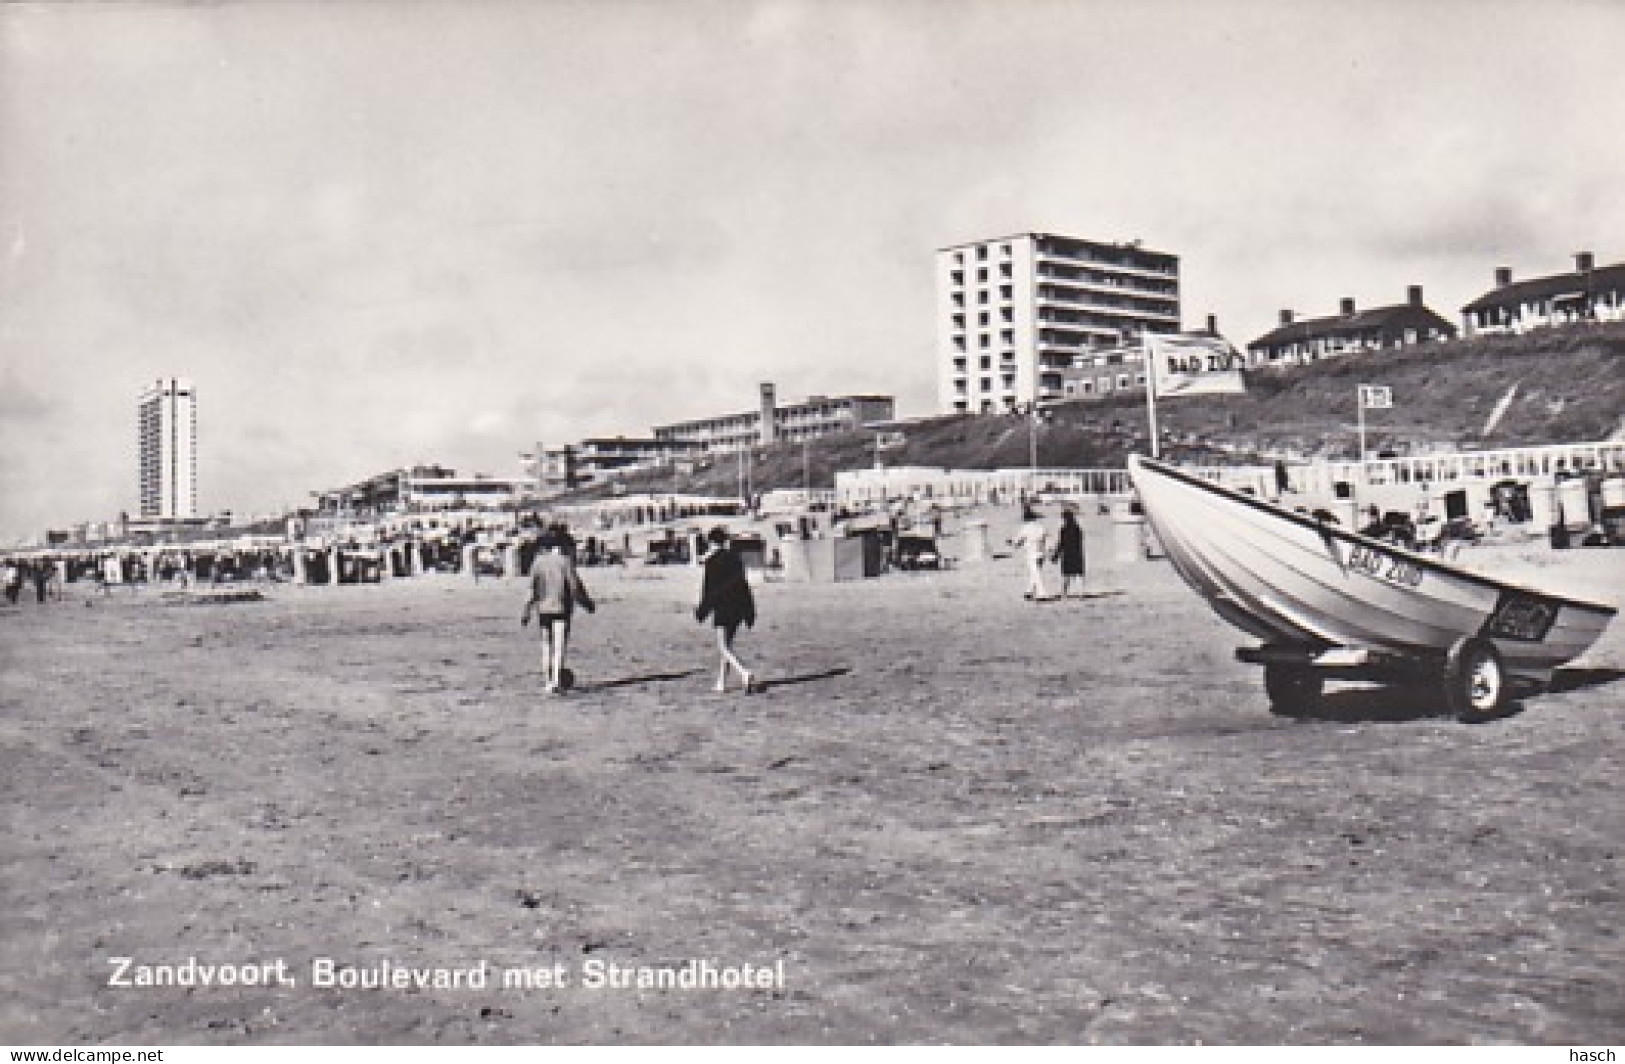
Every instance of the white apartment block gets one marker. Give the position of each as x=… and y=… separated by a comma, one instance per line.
x=168, y=448
x=1014, y=313
x=772, y=422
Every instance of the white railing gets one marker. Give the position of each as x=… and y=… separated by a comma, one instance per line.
x=861, y=487
x=1513, y=463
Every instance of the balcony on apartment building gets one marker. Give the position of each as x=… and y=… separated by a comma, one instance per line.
x=1125, y=263
x=1165, y=286
x=1116, y=301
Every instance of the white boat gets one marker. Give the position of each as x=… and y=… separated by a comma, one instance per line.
x=1322, y=598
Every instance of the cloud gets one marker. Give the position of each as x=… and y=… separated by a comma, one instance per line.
x=20, y=404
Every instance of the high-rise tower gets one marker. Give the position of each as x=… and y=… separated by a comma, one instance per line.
x=1014, y=312
x=168, y=415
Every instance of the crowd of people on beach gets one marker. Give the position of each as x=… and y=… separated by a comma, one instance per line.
x=545, y=552
x=361, y=555
x=106, y=570
x=43, y=575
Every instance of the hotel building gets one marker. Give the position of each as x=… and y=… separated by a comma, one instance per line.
x=771, y=423
x=1014, y=313
x=1110, y=371
x=168, y=449
x=417, y=489
x=553, y=470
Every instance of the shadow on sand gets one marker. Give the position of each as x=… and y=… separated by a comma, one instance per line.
x=1583, y=679
x=807, y=677
x=1081, y=596
x=633, y=681
x=1391, y=704
x=1398, y=704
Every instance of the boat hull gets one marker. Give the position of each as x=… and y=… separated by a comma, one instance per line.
x=1292, y=580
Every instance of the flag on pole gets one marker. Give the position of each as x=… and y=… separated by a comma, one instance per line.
x=1194, y=365
x=1376, y=397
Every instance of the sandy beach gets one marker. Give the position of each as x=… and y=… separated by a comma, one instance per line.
x=954, y=816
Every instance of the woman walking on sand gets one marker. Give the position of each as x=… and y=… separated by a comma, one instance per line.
x=1032, y=540
x=1069, y=551
x=726, y=598
x=555, y=591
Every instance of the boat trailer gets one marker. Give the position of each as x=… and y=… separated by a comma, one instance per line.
x=1469, y=676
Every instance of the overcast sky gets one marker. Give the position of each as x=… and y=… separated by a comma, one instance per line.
x=380, y=232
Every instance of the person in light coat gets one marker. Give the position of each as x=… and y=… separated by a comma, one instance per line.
x=555, y=591
x=1032, y=540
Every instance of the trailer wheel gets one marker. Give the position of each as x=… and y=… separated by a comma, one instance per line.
x=1292, y=689
x=1475, y=683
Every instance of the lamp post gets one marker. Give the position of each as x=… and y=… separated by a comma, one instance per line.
x=1360, y=416
x=1034, y=416
x=1032, y=440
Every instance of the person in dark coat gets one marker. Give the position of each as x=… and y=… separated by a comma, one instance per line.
x=725, y=597
x=1069, y=551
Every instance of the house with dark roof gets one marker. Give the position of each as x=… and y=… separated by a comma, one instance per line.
x=1401, y=325
x=1586, y=294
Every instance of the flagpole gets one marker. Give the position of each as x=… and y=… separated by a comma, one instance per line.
x=1150, y=391
x=1359, y=403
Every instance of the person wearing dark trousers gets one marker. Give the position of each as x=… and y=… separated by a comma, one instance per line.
x=726, y=598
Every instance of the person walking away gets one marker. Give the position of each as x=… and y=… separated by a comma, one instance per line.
x=1032, y=540
x=1069, y=552
x=726, y=598
x=555, y=591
